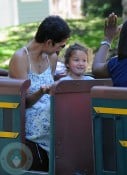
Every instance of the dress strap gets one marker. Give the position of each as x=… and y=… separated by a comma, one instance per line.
x=28, y=56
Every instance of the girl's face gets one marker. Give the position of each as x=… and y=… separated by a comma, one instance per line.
x=78, y=63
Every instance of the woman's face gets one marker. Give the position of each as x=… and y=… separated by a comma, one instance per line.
x=57, y=47
x=78, y=63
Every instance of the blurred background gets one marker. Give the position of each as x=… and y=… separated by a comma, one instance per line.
x=17, y=12
x=20, y=19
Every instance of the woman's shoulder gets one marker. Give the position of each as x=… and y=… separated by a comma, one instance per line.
x=19, y=54
x=112, y=59
x=18, y=64
x=19, y=58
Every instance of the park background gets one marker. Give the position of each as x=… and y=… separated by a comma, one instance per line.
x=86, y=18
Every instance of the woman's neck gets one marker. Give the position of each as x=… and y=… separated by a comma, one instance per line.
x=35, y=48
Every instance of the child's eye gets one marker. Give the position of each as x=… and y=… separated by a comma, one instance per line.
x=76, y=59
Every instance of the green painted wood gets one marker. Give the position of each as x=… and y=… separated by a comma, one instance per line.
x=10, y=98
x=9, y=121
x=113, y=103
x=119, y=122
x=36, y=173
x=52, y=144
x=1, y=119
x=98, y=147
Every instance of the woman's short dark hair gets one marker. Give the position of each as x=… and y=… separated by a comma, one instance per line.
x=52, y=27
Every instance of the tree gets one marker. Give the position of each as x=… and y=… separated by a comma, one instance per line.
x=101, y=7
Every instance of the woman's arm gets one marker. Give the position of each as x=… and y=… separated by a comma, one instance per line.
x=53, y=61
x=99, y=66
x=31, y=99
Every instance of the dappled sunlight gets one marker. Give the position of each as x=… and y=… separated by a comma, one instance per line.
x=87, y=31
x=5, y=63
x=3, y=35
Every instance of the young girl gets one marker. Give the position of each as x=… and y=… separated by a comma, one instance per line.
x=76, y=62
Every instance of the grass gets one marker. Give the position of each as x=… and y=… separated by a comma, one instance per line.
x=87, y=31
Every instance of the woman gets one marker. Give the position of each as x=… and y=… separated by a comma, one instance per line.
x=116, y=67
x=37, y=61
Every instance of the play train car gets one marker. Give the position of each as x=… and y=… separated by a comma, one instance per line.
x=88, y=129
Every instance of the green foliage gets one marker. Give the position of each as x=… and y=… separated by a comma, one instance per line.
x=13, y=38
x=92, y=9
x=87, y=31
x=101, y=8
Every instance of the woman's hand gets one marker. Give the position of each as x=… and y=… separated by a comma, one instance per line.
x=111, y=29
x=45, y=89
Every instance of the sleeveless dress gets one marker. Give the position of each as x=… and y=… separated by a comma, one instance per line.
x=37, y=125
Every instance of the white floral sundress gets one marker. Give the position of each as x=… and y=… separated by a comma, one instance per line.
x=37, y=125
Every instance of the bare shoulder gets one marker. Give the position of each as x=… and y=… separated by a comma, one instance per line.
x=18, y=65
x=18, y=55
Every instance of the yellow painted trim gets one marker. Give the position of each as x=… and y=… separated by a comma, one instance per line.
x=9, y=134
x=105, y=110
x=8, y=105
x=123, y=143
